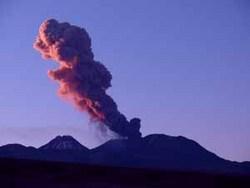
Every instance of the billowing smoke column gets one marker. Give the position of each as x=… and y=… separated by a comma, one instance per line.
x=80, y=77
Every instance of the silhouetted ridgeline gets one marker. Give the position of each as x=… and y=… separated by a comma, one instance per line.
x=153, y=161
x=154, y=151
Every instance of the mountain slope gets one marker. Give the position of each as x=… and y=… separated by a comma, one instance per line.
x=64, y=143
x=61, y=148
x=64, y=148
x=164, y=152
x=153, y=151
x=17, y=151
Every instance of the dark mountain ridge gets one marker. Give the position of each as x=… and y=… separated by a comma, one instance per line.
x=155, y=151
x=64, y=143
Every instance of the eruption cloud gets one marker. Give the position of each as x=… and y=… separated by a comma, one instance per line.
x=82, y=79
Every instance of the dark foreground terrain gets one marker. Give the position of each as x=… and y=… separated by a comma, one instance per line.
x=40, y=174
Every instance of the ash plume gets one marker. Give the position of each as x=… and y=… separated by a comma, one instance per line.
x=82, y=79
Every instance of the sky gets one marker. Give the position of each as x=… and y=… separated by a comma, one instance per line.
x=183, y=67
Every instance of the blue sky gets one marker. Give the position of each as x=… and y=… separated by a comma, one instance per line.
x=181, y=66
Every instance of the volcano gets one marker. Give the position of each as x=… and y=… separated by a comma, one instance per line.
x=156, y=151
x=64, y=143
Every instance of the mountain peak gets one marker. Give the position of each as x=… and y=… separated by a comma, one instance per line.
x=152, y=151
x=64, y=142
